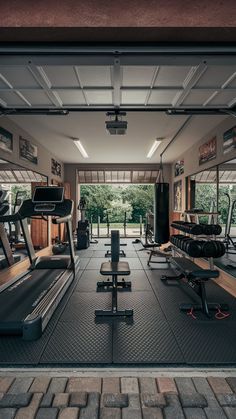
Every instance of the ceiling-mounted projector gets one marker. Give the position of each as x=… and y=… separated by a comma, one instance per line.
x=116, y=126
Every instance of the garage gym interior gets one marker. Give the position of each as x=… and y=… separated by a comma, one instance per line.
x=117, y=190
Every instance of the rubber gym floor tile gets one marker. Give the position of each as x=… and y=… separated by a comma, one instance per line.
x=78, y=337
x=202, y=341
x=143, y=253
x=77, y=343
x=85, y=253
x=134, y=263
x=84, y=262
x=154, y=266
x=101, y=254
x=89, y=279
x=146, y=339
x=95, y=263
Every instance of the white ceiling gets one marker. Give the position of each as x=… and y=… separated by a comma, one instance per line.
x=56, y=133
x=145, y=82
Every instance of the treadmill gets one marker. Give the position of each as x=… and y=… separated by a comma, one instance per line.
x=28, y=301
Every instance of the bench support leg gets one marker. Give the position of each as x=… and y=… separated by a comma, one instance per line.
x=199, y=288
x=114, y=311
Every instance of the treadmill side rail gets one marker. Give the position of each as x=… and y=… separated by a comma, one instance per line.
x=35, y=323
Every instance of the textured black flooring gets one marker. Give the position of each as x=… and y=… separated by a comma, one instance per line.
x=158, y=333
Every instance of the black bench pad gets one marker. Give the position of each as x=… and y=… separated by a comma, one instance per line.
x=115, y=268
x=192, y=270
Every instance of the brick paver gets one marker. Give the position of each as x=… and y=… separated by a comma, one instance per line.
x=111, y=385
x=129, y=385
x=147, y=385
x=117, y=398
x=232, y=383
x=194, y=413
x=30, y=411
x=20, y=385
x=219, y=385
x=69, y=413
x=47, y=400
x=57, y=385
x=7, y=413
x=5, y=383
x=166, y=385
x=152, y=413
x=40, y=385
x=88, y=384
x=60, y=400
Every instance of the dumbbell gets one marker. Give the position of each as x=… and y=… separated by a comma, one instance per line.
x=192, y=247
x=195, y=229
x=175, y=239
x=213, y=248
x=210, y=229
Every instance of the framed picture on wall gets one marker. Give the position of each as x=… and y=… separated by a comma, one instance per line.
x=28, y=151
x=55, y=167
x=178, y=195
x=229, y=140
x=179, y=167
x=6, y=140
x=207, y=151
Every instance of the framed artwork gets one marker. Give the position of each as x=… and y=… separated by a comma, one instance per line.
x=229, y=140
x=207, y=151
x=28, y=151
x=6, y=140
x=178, y=195
x=55, y=167
x=179, y=167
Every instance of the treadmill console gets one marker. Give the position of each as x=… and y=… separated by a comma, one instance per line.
x=44, y=207
x=45, y=198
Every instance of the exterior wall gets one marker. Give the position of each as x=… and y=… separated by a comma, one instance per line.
x=44, y=156
x=191, y=163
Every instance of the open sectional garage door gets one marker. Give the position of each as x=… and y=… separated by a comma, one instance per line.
x=61, y=79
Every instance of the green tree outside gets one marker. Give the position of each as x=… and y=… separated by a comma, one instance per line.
x=101, y=200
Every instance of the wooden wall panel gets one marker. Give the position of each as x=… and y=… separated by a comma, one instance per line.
x=39, y=228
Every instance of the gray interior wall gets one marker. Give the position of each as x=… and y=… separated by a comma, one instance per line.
x=191, y=157
x=44, y=156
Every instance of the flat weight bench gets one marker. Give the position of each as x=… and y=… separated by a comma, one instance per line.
x=114, y=268
x=196, y=278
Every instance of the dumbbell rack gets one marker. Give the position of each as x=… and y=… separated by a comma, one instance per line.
x=194, y=231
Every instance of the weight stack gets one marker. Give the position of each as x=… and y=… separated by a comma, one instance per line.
x=161, y=213
x=83, y=235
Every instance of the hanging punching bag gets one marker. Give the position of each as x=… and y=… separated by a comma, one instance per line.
x=161, y=212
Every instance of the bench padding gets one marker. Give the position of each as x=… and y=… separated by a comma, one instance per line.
x=191, y=270
x=115, y=268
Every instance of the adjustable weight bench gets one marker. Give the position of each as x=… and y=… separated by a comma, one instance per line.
x=114, y=268
x=121, y=251
x=196, y=277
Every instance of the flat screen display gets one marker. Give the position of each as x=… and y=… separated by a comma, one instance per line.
x=48, y=194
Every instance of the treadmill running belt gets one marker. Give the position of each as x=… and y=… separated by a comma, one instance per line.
x=20, y=298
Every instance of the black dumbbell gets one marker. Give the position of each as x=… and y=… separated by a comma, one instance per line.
x=213, y=248
x=193, y=248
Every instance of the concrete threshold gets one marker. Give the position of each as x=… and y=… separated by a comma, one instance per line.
x=119, y=372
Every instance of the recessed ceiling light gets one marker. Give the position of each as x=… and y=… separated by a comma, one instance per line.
x=81, y=148
x=153, y=148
